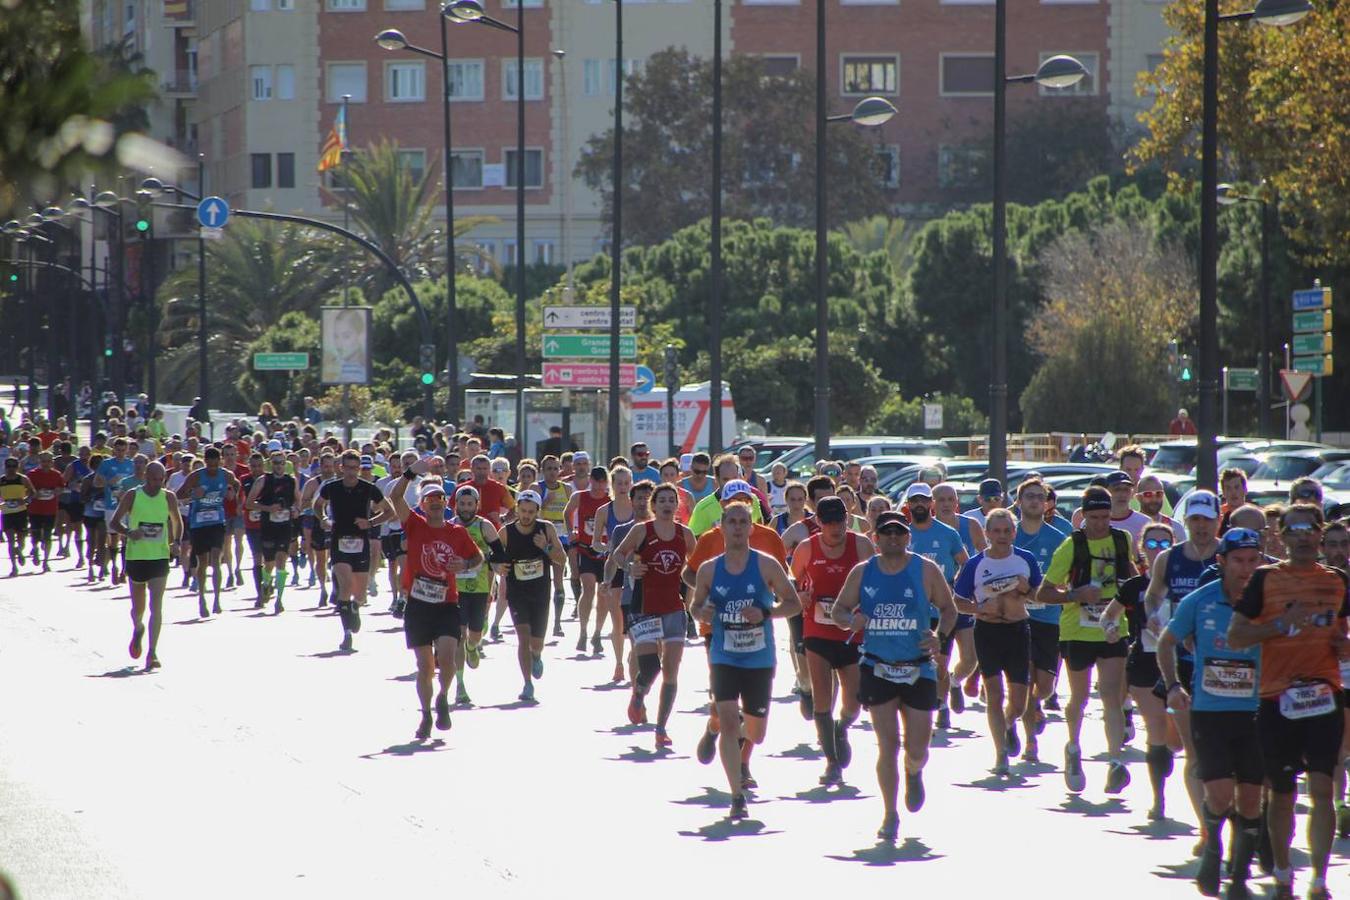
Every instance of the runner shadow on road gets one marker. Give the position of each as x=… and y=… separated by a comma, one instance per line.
x=1033, y=768
x=607, y=687
x=943, y=738
x=725, y=829
x=124, y=672
x=888, y=854
x=1076, y=804
x=712, y=798
x=624, y=730
x=996, y=783
x=413, y=748
x=637, y=754
x=825, y=794
x=411, y=676
x=1164, y=830
x=328, y=654
x=801, y=751
x=190, y=622
x=395, y=630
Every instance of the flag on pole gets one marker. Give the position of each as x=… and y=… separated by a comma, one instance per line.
x=330, y=157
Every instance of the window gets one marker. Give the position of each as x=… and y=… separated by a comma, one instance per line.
x=405, y=82
x=466, y=79
x=869, y=2
x=529, y=4
x=259, y=5
x=346, y=5
x=593, y=70
x=963, y=167
x=415, y=161
x=508, y=253
x=888, y=165
x=534, y=168
x=866, y=75
x=260, y=82
x=1087, y=87
x=285, y=82
x=1153, y=60
x=543, y=253
x=779, y=66
x=967, y=75
x=771, y=2
x=286, y=5
x=630, y=67
x=466, y=168
x=346, y=78
x=534, y=79
x=396, y=5
x=485, y=256
x=590, y=78
x=262, y=169
x=285, y=170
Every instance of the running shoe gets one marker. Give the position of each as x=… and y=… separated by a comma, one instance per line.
x=1117, y=777
x=748, y=781
x=597, y=648
x=1074, y=778
x=1013, y=742
x=151, y=662
x=617, y=677
x=229, y=581
x=537, y=666
x=1052, y=702
x=557, y=631
x=277, y=608
x=581, y=641
x=944, y=718
x=259, y=603
x=424, y=727
x=346, y=645
x=1001, y=768
x=738, y=809
x=202, y=612
x=527, y=695
x=956, y=700
x=1283, y=891
x=1319, y=893
x=462, y=696
x=473, y=655
x=1031, y=753
x=890, y=828
x=442, y=713
x=136, y=636
x=1237, y=890
x=707, y=747
x=914, y=793
x=1156, y=813
x=215, y=607
x=833, y=775
x=843, y=750
x=1207, y=876
x=323, y=598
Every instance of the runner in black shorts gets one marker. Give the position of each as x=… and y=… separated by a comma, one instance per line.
x=276, y=498
x=350, y=507
x=316, y=537
x=531, y=548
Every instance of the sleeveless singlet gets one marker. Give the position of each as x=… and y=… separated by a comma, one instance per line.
x=658, y=592
x=479, y=580
x=529, y=569
x=823, y=580
x=1183, y=576
x=151, y=514
x=209, y=510
x=898, y=615
x=736, y=642
x=587, y=507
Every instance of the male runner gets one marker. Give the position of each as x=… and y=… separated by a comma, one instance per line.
x=554, y=492
x=590, y=563
x=1041, y=539
x=47, y=483
x=16, y=492
x=1296, y=612
x=316, y=537
x=947, y=510
x=474, y=585
x=349, y=507
x=391, y=532
x=1336, y=554
x=275, y=496
x=1150, y=496
x=529, y=547
x=698, y=483
x=735, y=594
x=147, y=517
x=941, y=544
x=208, y=488
x=891, y=599
x=109, y=478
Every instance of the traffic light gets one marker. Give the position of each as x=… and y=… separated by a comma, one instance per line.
x=143, y=224
x=427, y=360
x=1186, y=372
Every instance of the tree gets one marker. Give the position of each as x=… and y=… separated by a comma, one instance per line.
x=257, y=272
x=768, y=150
x=293, y=332
x=63, y=108
x=905, y=417
x=1115, y=298
x=1282, y=102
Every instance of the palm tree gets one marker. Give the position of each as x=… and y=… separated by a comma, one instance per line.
x=882, y=233
x=256, y=273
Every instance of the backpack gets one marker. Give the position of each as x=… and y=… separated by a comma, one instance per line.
x=1080, y=571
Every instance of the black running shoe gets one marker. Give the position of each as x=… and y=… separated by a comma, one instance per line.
x=1207, y=877
x=748, y=781
x=914, y=794
x=843, y=750
x=424, y=727
x=707, y=747
x=1117, y=777
x=442, y=713
x=944, y=718
x=738, y=808
x=1013, y=742
x=346, y=645
x=202, y=612
x=956, y=700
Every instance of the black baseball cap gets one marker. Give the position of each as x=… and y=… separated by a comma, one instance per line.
x=1095, y=498
x=599, y=473
x=1117, y=478
x=892, y=521
x=831, y=509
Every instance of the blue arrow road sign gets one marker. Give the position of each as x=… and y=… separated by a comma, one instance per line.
x=1312, y=298
x=646, y=380
x=213, y=212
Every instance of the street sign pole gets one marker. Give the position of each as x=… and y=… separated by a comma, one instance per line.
x=1225, y=400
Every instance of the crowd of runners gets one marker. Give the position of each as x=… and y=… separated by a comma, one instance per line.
x=1223, y=630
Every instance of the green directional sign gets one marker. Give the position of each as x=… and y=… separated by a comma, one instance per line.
x=1242, y=380
x=587, y=346
x=1318, y=320
x=1311, y=343
x=280, y=362
x=1317, y=365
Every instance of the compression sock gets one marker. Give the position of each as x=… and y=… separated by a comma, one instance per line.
x=649, y=665
x=825, y=734
x=1159, y=758
x=1246, y=834
x=666, y=704
x=280, y=581
x=1213, y=832
x=258, y=580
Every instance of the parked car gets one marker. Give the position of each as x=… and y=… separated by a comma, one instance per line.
x=1295, y=463
x=888, y=464
x=1179, y=456
x=768, y=449
x=802, y=460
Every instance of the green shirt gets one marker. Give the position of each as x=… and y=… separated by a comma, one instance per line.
x=151, y=514
x=1075, y=619
x=708, y=512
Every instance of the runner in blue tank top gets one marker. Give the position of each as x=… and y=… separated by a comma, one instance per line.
x=735, y=594
x=891, y=599
x=1041, y=539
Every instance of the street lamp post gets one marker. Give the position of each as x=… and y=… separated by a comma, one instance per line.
x=1056, y=72
x=616, y=238
x=111, y=204
x=464, y=12
x=1229, y=195
x=870, y=112
x=393, y=39
x=1267, y=12
x=716, y=441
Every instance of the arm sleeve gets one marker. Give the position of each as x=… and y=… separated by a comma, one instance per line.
x=1253, y=595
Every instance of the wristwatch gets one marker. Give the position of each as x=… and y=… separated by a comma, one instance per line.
x=1173, y=686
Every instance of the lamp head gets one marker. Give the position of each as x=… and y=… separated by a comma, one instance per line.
x=1227, y=195
x=463, y=10
x=153, y=185
x=391, y=39
x=873, y=111
x=106, y=199
x=1060, y=72
x=52, y=213
x=1281, y=12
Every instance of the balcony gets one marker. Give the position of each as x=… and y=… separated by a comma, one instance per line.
x=180, y=83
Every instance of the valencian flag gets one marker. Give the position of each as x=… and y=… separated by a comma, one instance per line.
x=330, y=157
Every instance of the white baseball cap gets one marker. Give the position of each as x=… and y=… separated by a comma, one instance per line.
x=1203, y=503
x=918, y=489
x=529, y=497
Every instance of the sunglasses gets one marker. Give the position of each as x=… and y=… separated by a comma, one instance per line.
x=1033, y=496
x=1308, y=494
x=1299, y=528
x=1157, y=544
x=1148, y=493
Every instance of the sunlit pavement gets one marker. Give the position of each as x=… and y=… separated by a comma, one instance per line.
x=260, y=762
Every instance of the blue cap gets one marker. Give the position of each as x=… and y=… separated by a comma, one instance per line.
x=367, y=462
x=990, y=488
x=1239, y=539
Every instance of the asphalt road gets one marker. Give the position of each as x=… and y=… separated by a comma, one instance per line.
x=259, y=762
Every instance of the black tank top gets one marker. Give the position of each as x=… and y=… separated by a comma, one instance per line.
x=528, y=565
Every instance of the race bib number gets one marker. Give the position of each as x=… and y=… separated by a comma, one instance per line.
x=646, y=630
x=1032, y=604
x=98, y=505
x=1090, y=615
x=468, y=574
x=428, y=590
x=1234, y=678
x=255, y=515
x=152, y=531
x=528, y=569
x=823, y=607
x=351, y=544
x=896, y=674
x=283, y=516
x=13, y=505
x=1345, y=674
x=1303, y=701
x=46, y=494
x=212, y=516
x=747, y=639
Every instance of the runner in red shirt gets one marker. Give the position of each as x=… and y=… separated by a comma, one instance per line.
x=581, y=508
x=820, y=564
x=494, y=500
x=654, y=554
x=48, y=483
x=438, y=550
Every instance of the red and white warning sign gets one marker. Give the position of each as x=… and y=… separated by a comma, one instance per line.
x=1296, y=384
